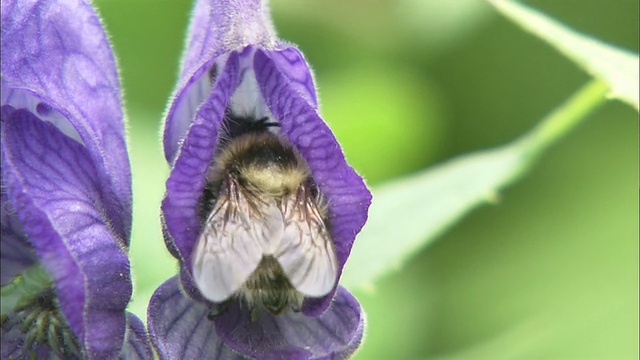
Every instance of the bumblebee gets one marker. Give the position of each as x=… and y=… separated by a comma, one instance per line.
x=266, y=236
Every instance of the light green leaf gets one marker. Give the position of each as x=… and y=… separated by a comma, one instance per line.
x=408, y=214
x=617, y=67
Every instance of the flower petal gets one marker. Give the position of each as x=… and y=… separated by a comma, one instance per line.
x=291, y=62
x=187, y=179
x=54, y=187
x=136, y=342
x=217, y=27
x=334, y=334
x=57, y=54
x=177, y=321
x=347, y=195
x=189, y=286
x=179, y=327
x=12, y=345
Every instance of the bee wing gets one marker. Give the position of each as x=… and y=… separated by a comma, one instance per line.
x=306, y=251
x=229, y=248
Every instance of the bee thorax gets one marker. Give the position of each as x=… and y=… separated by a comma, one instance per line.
x=273, y=180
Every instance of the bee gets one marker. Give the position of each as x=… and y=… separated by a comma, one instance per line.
x=266, y=238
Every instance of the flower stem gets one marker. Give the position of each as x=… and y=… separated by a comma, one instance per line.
x=564, y=118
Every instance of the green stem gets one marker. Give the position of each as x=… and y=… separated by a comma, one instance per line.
x=565, y=117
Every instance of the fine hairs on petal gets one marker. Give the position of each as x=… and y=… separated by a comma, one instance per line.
x=217, y=28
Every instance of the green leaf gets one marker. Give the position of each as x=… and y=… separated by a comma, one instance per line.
x=408, y=214
x=617, y=67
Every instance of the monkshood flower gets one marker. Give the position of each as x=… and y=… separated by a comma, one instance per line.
x=66, y=189
x=261, y=208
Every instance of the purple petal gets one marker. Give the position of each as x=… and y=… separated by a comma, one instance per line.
x=293, y=65
x=190, y=288
x=12, y=345
x=179, y=327
x=347, y=195
x=136, y=342
x=334, y=334
x=55, y=55
x=217, y=27
x=55, y=188
x=187, y=179
x=12, y=340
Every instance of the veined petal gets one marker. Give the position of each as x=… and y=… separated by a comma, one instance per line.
x=55, y=189
x=136, y=342
x=189, y=286
x=179, y=326
x=182, y=328
x=187, y=180
x=292, y=64
x=335, y=334
x=347, y=195
x=56, y=57
x=217, y=27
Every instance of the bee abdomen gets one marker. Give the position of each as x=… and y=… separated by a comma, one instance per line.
x=269, y=288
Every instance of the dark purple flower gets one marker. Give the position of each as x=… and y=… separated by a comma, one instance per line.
x=66, y=188
x=237, y=78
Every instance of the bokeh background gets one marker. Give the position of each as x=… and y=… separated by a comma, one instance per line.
x=550, y=272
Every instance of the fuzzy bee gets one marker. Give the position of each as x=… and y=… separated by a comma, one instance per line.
x=266, y=238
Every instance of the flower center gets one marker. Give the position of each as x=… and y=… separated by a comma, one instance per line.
x=41, y=323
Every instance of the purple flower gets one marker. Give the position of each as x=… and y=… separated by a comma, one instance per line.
x=244, y=115
x=66, y=188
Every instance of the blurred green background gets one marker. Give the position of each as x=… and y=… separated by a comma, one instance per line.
x=550, y=272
